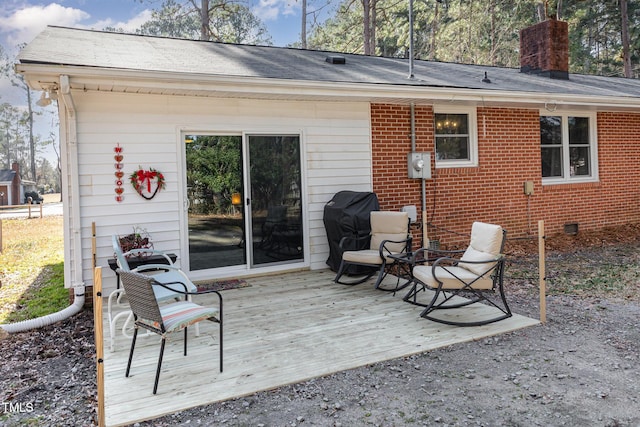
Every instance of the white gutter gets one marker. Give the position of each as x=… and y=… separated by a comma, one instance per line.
x=171, y=83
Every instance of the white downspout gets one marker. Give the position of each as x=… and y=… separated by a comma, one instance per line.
x=72, y=173
x=78, y=284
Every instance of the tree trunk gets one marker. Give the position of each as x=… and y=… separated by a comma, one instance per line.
x=366, y=29
x=372, y=26
x=559, y=10
x=542, y=13
x=493, y=48
x=434, y=30
x=205, y=31
x=626, y=57
x=32, y=143
x=303, y=29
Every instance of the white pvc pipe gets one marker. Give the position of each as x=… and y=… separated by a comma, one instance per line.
x=25, y=325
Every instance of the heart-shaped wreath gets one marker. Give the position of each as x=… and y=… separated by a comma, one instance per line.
x=147, y=183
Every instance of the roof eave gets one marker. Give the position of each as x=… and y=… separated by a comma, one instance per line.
x=42, y=76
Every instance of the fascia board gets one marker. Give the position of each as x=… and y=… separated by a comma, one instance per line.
x=38, y=75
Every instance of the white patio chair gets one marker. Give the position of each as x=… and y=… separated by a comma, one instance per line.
x=163, y=273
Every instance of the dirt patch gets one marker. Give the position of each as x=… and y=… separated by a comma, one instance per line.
x=567, y=243
x=578, y=369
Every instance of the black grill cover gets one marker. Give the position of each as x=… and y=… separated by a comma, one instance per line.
x=347, y=214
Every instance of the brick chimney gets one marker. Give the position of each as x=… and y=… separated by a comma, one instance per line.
x=544, y=49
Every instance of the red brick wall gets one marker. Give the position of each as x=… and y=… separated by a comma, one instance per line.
x=391, y=141
x=509, y=155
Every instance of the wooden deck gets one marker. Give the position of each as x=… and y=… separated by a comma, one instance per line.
x=282, y=329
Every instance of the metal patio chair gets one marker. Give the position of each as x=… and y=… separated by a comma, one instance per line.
x=462, y=278
x=276, y=217
x=164, y=273
x=168, y=318
x=390, y=237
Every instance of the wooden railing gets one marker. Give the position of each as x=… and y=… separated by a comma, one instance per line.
x=29, y=206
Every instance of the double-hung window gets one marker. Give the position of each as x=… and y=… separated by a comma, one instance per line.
x=568, y=148
x=455, y=137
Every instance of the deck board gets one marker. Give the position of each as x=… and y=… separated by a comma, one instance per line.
x=282, y=329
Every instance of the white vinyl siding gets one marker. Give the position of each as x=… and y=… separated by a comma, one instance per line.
x=335, y=143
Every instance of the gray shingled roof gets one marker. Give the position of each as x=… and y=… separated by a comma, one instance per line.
x=84, y=48
x=6, y=175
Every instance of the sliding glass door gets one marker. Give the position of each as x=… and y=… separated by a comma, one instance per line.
x=276, y=214
x=214, y=200
x=244, y=200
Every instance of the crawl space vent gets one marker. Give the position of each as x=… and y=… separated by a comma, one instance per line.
x=571, y=228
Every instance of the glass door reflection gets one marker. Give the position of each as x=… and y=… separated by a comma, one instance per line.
x=215, y=209
x=219, y=179
x=276, y=214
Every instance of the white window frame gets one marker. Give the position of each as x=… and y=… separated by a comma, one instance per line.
x=473, y=136
x=566, y=161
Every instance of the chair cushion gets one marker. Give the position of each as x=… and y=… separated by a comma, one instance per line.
x=163, y=294
x=366, y=256
x=179, y=315
x=486, y=238
x=425, y=275
x=485, y=245
x=472, y=255
x=389, y=225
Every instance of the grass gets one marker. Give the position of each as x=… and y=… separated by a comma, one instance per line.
x=598, y=277
x=31, y=268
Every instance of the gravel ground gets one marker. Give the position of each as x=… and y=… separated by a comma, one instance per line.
x=579, y=369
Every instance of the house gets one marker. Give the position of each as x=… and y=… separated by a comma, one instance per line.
x=11, y=186
x=143, y=118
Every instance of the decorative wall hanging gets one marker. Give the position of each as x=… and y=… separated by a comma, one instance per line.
x=119, y=174
x=147, y=182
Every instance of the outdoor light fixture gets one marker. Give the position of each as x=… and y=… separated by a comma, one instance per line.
x=236, y=199
x=44, y=100
x=47, y=96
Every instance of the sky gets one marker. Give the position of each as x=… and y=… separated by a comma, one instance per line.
x=22, y=20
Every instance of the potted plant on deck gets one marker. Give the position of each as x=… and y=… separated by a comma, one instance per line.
x=139, y=239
